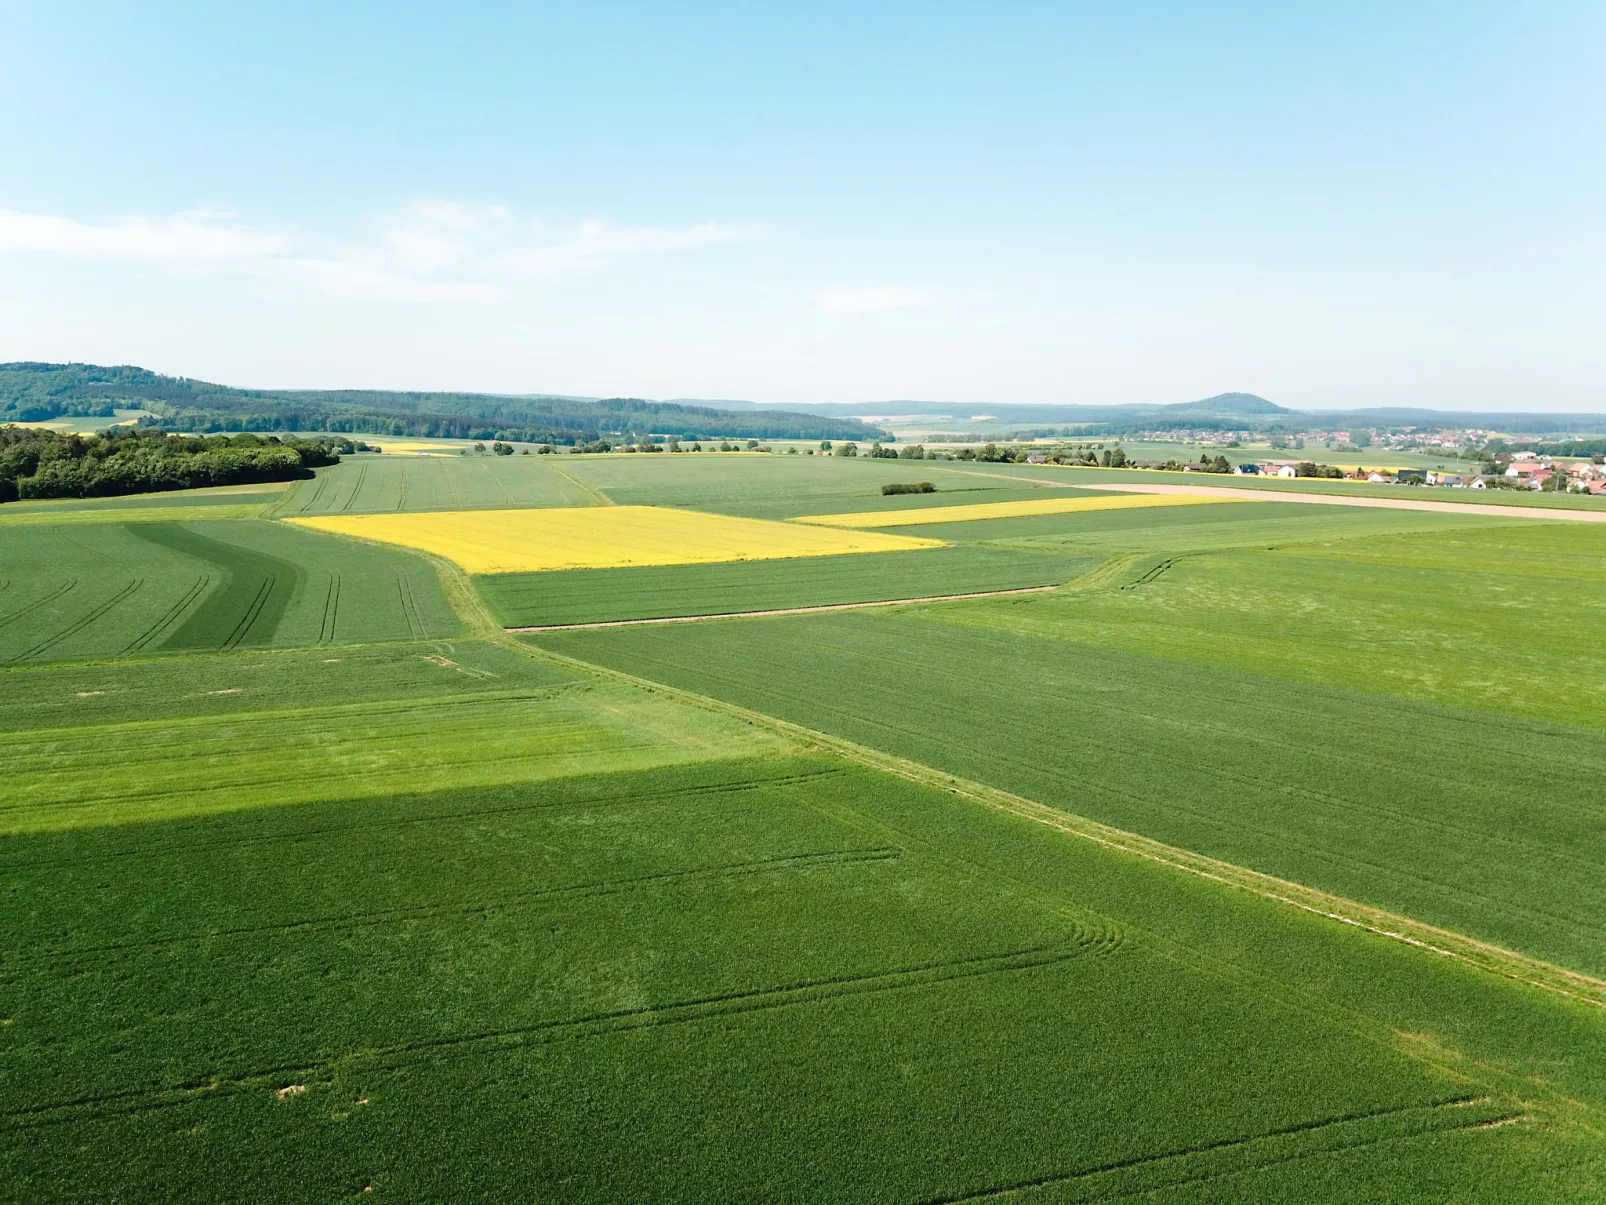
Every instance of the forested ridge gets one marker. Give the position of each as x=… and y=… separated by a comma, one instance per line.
x=36, y=392
x=37, y=463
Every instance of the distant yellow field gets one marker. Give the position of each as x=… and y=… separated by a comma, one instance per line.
x=528, y=541
x=411, y=447
x=1006, y=510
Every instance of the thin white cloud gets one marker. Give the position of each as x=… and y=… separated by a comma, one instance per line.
x=184, y=240
x=434, y=251
x=860, y=301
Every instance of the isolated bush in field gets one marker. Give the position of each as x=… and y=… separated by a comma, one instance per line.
x=906, y=487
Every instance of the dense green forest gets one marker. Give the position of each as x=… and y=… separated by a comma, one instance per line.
x=37, y=463
x=38, y=392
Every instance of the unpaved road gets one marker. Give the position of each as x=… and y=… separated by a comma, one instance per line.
x=1450, y=508
x=852, y=606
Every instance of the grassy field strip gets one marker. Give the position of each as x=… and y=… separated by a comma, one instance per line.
x=131, y=514
x=522, y=541
x=592, y=491
x=263, y=493
x=857, y=606
x=251, y=760
x=971, y=512
x=1484, y=955
x=1272, y=495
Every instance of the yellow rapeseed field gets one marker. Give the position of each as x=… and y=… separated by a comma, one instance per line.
x=1052, y=505
x=411, y=447
x=578, y=537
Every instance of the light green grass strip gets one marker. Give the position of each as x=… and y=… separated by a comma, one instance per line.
x=161, y=769
x=131, y=514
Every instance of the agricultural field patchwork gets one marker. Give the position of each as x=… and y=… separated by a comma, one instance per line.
x=320, y=886
x=525, y=541
x=1271, y=709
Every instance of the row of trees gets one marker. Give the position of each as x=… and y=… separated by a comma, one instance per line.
x=37, y=391
x=37, y=463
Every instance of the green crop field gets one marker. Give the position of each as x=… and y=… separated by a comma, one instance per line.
x=371, y=484
x=593, y=595
x=779, y=487
x=319, y=886
x=106, y=589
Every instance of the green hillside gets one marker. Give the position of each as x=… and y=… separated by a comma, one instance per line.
x=31, y=392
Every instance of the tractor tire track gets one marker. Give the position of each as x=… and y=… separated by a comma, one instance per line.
x=78, y=625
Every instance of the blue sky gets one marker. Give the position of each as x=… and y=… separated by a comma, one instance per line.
x=1361, y=204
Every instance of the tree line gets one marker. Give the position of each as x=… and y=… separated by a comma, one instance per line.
x=39, y=463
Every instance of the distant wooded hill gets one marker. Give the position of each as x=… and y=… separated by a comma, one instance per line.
x=32, y=392
x=1224, y=411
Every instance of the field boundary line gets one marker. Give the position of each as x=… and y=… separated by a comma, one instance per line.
x=1039, y=481
x=851, y=606
x=1430, y=938
x=602, y=499
x=1486, y=956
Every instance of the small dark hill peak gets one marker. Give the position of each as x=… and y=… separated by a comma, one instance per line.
x=1229, y=403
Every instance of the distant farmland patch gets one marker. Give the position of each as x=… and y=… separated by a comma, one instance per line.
x=1053, y=505
x=377, y=484
x=524, y=541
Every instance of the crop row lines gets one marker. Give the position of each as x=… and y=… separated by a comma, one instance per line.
x=384, y=916
x=1430, y=938
x=1257, y=1152
x=603, y=1024
x=302, y=836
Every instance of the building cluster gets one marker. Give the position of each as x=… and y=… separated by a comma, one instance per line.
x=1523, y=471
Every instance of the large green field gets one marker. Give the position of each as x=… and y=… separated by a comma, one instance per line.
x=1258, y=861
x=603, y=595
x=370, y=484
